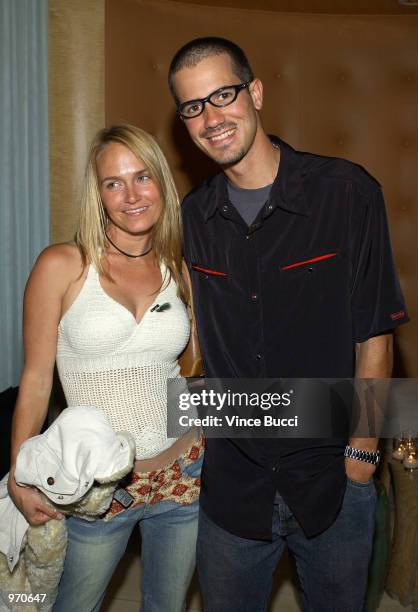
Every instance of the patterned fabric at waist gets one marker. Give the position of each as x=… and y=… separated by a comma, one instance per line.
x=168, y=484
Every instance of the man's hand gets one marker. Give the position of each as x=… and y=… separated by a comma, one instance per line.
x=359, y=470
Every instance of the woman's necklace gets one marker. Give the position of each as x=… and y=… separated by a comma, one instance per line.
x=128, y=254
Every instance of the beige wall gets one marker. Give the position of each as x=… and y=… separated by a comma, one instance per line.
x=332, y=7
x=336, y=85
x=76, y=101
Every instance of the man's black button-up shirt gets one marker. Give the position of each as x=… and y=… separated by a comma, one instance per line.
x=288, y=296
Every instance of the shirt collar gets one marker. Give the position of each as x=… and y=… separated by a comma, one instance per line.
x=287, y=191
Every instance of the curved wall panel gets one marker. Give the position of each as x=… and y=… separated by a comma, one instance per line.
x=76, y=101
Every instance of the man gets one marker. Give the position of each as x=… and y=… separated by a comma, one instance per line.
x=293, y=277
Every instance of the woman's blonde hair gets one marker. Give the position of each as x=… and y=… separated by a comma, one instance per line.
x=90, y=236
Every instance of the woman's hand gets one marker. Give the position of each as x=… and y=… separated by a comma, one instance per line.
x=30, y=503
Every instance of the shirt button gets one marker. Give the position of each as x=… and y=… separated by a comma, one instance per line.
x=274, y=468
x=254, y=297
x=50, y=480
x=270, y=207
x=247, y=237
x=259, y=356
x=225, y=208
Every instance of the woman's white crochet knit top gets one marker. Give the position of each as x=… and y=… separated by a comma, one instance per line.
x=106, y=359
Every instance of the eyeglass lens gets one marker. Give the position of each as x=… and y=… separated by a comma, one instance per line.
x=220, y=98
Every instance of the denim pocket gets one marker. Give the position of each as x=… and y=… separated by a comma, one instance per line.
x=192, y=470
x=367, y=488
x=356, y=484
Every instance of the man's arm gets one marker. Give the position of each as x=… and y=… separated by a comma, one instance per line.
x=374, y=359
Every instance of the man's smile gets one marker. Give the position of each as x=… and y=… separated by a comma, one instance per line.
x=221, y=137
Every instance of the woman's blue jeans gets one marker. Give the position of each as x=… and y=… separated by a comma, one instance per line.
x=168, y=533
x=236, y=573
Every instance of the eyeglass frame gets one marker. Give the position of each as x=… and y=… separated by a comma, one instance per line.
x=238, y=87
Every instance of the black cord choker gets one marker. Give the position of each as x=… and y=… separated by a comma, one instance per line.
x=128, y=254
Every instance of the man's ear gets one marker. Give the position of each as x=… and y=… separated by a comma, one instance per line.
x=256, y=93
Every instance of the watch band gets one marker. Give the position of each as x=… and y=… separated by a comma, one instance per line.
x=359, y=454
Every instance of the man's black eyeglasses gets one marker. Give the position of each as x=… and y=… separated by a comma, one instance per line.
x=221, y=97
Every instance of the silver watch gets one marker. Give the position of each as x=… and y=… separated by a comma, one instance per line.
x=359, y=454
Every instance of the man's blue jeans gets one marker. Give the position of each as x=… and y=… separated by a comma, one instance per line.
x=236, y=573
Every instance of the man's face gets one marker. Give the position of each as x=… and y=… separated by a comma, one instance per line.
x=225, y=134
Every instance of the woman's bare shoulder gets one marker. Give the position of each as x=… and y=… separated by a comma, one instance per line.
x=64, y=256
x=60, y=263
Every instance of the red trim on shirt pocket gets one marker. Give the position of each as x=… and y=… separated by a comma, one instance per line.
x=307, y=261
x=209, y=271
x=397, y=315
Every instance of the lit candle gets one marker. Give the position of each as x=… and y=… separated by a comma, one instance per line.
x=399, y=452
x=410, y=462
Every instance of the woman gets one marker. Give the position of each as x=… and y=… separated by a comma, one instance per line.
x=110, y=309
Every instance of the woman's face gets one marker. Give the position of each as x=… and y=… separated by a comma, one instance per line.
x=129, y=194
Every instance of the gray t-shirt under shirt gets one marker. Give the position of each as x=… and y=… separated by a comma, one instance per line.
x=248, y=202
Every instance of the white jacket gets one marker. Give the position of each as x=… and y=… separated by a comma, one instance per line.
x=78, y=448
